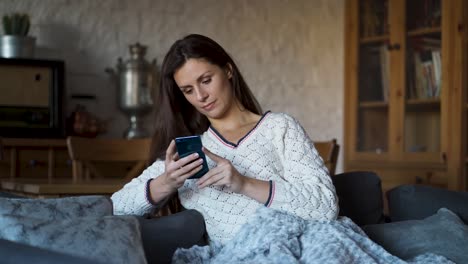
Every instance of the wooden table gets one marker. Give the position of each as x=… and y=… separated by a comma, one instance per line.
x=43, y=189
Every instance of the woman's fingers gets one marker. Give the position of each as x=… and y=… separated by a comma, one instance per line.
x=170, y=151
x=180, y=169
x=212, y=156
x=207, y=178
x=189, y=167
x=191, y=172
x=216, y=179
x=186, y=160
x=183, y=168
x=181, y=173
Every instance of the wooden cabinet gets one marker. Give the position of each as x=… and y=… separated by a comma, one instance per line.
x=405, y=90
x=43, y=168
x=34, y=159
x=48, y=161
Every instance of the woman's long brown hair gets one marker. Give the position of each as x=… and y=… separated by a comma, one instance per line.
x=174, y=115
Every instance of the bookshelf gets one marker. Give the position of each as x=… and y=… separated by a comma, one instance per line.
x=406, y=100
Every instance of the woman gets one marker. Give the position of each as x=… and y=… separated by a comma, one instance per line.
x=255, y=159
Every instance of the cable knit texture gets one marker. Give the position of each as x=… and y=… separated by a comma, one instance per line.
x=277, y=149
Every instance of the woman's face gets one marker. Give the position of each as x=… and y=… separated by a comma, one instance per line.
x=206, y=86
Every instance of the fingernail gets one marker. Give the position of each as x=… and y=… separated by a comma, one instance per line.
x=196, y=154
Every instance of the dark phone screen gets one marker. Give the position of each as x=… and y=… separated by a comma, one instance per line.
x=188, y=145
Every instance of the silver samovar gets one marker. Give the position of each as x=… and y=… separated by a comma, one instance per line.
x=135, y=80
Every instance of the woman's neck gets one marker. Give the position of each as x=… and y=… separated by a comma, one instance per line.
x=235, y=119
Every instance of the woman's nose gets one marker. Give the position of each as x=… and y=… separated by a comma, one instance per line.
x=201, y=94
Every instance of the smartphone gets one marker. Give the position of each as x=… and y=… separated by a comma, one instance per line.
x=188, y=145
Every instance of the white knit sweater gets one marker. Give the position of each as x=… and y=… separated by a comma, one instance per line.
x=276, y=150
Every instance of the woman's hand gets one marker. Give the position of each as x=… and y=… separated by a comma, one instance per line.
x=224, y=174
x=178, y=170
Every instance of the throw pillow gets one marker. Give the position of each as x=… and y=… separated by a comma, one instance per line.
x=443, y=233
x=409, y=202
x=161, y=237
x=362, y=209
x=108, y=239
x=57, y=208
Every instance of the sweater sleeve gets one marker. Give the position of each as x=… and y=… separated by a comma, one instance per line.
x=132, y=198
x=305, y=188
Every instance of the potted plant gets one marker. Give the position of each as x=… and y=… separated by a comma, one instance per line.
x=15, y=43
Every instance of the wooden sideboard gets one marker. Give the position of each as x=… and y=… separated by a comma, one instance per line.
x=43, y=189
x=43, y=167
x=46, y=159
x=34, y=158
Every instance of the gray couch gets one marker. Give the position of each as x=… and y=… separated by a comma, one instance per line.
x=415, y=217
x=421, y=219
x=83, y=230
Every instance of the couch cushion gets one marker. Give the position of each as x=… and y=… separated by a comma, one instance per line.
x=57, y=208
x=410, y=202
x=443, y=233
x=181, y=230
x=108, y=239
x=360, y=196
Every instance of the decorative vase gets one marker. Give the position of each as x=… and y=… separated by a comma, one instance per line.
x=15, y=46
x=135, y=80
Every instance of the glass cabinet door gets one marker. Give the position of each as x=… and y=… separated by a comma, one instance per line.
x=373, y=77
x=422, y=115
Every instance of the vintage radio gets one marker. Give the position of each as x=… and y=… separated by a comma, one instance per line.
x=31, y=98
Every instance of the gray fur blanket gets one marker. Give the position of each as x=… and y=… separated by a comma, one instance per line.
x=273, y=236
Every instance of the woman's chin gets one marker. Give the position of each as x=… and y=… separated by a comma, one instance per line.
x=212, y=114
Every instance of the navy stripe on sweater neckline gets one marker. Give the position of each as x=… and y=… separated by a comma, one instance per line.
x=234, y=145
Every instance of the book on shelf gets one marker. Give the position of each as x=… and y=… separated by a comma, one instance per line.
x=432, y=13
x=425, y=69
x=425, y=13
x=374, y=18
x=385, y=70
x=375, y=74
x=437, y=62
x=427, y=74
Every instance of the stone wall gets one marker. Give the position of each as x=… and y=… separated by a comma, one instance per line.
x=290, y=52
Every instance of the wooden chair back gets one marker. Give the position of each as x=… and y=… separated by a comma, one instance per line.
x=86, y=151
x=329, y=151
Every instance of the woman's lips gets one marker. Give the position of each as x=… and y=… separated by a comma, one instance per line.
x=209, y=106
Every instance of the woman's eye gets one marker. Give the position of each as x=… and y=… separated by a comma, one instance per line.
x=207, y=81
x=188, y=91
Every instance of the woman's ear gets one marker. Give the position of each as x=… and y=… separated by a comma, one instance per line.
x=228, y=70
